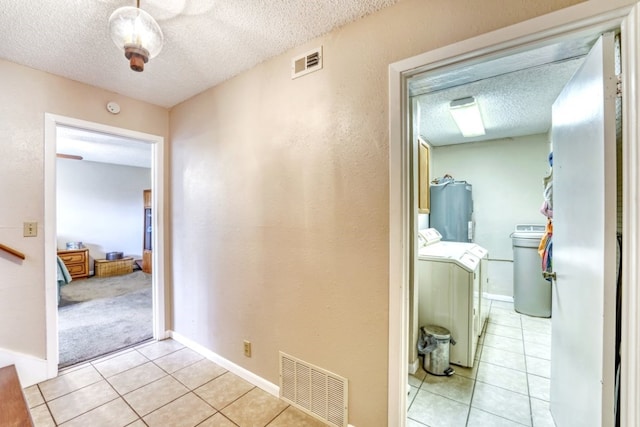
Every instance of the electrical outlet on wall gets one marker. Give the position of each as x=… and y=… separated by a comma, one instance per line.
x=247, y=348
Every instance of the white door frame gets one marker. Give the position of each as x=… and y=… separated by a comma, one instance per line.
x=51, y=121
x=586, y=18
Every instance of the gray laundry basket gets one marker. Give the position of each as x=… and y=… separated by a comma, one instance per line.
x=531, y=292
x=433, y=344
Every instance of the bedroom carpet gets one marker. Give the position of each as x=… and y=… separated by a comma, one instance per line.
x=97, y=316
x=103, y=287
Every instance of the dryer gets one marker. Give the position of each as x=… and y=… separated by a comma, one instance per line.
x=448, y=294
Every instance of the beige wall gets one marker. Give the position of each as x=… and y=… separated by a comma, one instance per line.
x=101, y=205
x=280, y=199
x=26, y=95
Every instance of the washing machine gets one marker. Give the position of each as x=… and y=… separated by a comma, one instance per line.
x=431, y=237
x=483, y=255
x=448, y=290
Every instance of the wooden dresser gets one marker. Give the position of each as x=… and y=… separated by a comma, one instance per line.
x=77, y=262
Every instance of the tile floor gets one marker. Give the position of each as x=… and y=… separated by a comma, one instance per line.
x=507, y=386
x=157, y=384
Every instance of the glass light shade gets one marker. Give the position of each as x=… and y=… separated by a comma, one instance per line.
x=137, y=33
x=466, y=114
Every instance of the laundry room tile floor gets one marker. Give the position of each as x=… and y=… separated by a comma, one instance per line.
x=507, y=386
x=157, y=384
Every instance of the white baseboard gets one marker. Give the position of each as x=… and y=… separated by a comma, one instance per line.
x=243, y=373
x=31, y=370
x=413, y=367
x=497, y=297
x=163, y=336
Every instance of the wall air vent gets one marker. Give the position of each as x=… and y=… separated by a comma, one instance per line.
x=306, y=63
x=314, y=390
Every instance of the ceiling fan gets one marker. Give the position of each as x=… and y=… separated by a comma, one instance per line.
x=68, y=156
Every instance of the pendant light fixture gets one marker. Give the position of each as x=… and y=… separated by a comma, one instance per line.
x=135, y=32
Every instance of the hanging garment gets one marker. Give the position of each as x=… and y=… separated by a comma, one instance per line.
x=547, y=257
x=548, y=233
x=546, y=247
x=547, y=195
x=546, y=209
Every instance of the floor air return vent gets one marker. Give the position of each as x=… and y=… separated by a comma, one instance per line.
x=314, y=390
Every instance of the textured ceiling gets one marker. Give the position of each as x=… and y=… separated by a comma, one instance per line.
x=206, y=41
x=102, y=148
x=515, y=92
x=513, y=104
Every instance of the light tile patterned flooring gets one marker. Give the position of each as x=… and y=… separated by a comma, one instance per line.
x=507, y=386
x=157, y=384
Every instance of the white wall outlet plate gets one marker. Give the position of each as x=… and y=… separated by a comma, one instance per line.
x=30, y=229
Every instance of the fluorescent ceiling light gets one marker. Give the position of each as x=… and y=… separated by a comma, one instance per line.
x=467, y=116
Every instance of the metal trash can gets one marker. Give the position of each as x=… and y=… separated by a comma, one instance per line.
x=433, y=344
x=531, y=291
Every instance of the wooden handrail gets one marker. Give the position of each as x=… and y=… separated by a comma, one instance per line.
x=12, y=251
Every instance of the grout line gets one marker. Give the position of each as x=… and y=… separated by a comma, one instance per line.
x=89, y=410
x=48, y=409
x=121, y=396
x=237, y=398
x=201, y=385
x=116, y=391
x=100, y=361
x=445, y=397
x=135, y=421
x=159, y=407
x=167, y=374
x=277, y=415
x=221, y=414
x=161, y=356
x=102, y=357
x=143, y=385
x=477, y=361
x=74, y=390
x=111, y=356
x=183, y=367
x=208, y=404
x=501, y=417
x=522, y=330
x=416, y=421
x=473, y=390
x=526, y=372
x=506, y=389
x=502, y=366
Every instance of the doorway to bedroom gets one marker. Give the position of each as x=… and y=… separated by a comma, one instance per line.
x=103, y=188
x=105, y=197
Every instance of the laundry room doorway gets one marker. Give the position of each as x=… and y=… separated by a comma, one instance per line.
x=505, y=168
x=604, y=413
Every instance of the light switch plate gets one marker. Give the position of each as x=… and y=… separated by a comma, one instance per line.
x=30, y=229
